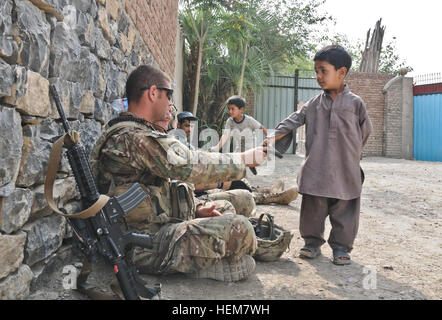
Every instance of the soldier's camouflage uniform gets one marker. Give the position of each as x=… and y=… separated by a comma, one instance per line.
x=241, y=200
x=130, y=152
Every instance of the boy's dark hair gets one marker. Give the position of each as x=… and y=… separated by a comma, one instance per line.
x=335, y=55
x=142, y=77
x=237, y=101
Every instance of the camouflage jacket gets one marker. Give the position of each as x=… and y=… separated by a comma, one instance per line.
x=130, y=152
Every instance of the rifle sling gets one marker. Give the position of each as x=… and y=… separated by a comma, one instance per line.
x=54, y=160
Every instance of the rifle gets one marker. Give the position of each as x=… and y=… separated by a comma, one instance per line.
x=97, y=228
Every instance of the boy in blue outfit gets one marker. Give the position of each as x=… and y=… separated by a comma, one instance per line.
x=330, y=179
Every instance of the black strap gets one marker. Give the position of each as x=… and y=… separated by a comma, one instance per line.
x=270, y=224
x=130, y=117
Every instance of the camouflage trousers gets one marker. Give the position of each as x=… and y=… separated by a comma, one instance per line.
x=197, y=244
x=242, y=201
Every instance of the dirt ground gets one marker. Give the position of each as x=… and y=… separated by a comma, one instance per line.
x=397, y=253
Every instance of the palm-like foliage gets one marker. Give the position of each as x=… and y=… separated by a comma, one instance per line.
x=249, y=39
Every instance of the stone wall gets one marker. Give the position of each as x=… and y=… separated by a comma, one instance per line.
x=86, y=48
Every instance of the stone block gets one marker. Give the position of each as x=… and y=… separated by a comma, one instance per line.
x=15, y=210
x=11, y=145
x=11, y=252
x=44, y=237
x=30, y=94
x=16, y=286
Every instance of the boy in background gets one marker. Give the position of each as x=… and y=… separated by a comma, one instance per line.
x=184, y=126
x=239, y=125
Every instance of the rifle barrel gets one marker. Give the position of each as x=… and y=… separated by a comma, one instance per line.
x=54, y=93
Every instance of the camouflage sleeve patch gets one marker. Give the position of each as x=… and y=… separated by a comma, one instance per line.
x=169, y=158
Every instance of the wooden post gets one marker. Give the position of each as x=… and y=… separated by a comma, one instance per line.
x=372, y=51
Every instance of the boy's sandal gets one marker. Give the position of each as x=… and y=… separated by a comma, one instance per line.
x=341, y=256
x=309, y=251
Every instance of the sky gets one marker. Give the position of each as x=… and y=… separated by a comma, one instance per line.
x=417, y=26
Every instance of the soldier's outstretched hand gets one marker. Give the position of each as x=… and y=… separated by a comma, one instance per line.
x=254, y=157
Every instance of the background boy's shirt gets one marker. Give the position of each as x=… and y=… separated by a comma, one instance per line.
x=180, y=135
x=336, y=132
x=243, y=130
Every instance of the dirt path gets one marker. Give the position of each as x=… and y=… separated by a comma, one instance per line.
x=396, y=255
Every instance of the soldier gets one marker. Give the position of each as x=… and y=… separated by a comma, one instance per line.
x=239, y=193
x=133, y=149
x=239, y=200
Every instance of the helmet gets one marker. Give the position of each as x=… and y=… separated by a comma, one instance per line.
x=186, y=115
x=273, y=240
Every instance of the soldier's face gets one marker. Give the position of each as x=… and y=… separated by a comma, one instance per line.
x=163, y=103
x=164, y=123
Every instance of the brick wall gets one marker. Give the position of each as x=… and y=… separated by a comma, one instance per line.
x=157, y=20
x=369, y=87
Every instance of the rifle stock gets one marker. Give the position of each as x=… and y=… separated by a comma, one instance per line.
x=102, y=233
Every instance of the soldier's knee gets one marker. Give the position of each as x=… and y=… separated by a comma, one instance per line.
x=242, y=225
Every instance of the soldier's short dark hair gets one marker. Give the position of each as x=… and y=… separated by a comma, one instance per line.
x=335, y=55
x=238, y=101
x=143, y=77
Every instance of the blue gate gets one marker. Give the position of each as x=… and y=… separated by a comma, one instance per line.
x=428, y=120
x=428, y=127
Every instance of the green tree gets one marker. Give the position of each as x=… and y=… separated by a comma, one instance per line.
x=253, y=38
x=199, y=19
x=390, y=61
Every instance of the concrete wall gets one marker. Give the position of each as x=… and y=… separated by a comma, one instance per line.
x=398, y=120
x=86, y=48
x=179, y=70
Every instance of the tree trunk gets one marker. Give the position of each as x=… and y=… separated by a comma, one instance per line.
x=197, y=79
x=243, y=68
x=372, y=51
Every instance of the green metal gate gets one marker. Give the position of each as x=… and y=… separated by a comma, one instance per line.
x=281, y=97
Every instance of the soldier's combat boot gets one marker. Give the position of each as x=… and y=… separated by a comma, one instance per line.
x=284, y=197
x=228, y=271
x=278, y=186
